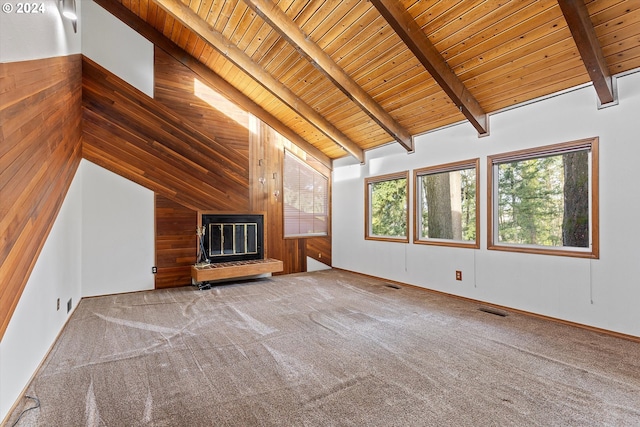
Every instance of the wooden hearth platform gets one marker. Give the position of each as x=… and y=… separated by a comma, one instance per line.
x=235, y=269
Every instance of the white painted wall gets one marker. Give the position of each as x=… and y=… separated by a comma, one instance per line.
x=113, y=45
x=604, y=293
x=36, y=321
x=118, y=247
x=27, y=36
x=313, y=265
x=102, y=242
x=118, y=217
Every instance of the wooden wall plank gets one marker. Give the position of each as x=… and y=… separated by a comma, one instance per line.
x=267, y=157
x=319, y=248
x=40, y=137
x=188, y=165
x=263, y=156
x=145, y=141
x=175, y=242
x=180, y=89
x=167, y=145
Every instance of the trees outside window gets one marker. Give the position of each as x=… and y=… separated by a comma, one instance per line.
x=386, y=207
x=446, y=203
x=545, y=200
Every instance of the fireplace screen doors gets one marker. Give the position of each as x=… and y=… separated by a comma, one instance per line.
x=238, y=238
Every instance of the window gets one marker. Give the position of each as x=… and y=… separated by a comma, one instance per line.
x=545, y=200
x=446, y=205
x=386, y=207
x=306, y=199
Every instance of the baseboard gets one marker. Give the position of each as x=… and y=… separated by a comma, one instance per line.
x=33, y=375
x=511, y=309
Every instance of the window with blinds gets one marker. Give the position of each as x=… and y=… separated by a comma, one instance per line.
x=306, y=199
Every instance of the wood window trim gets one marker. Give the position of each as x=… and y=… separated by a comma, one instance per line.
x=367, y=204
x=304, y=163
x=447, y=167
x=592, y=143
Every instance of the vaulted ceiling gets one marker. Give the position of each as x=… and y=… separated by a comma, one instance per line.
x=343, y=76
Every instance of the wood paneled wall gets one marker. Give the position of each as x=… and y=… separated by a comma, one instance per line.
x=319, y=248
x=179, y=88
x=40, y=131
x=175, y=242
x=267, y=158
x=191, y=154
x=188, y=95
x=145, y=141
x=195, y=151
x=266, y=161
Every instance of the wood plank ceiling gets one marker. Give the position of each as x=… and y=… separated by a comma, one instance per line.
x=351, y=75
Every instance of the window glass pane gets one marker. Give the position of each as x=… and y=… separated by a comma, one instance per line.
x=545, y=201
x=447, y=205
x=240, y=238
x=387, y=208
x=320, y=202
x=215, y=239
x=252, y=238
x=227, y=239
x=305, y=199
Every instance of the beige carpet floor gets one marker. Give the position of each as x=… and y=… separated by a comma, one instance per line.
x=328, y=348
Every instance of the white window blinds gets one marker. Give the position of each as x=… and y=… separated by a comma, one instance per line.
x=305, y=199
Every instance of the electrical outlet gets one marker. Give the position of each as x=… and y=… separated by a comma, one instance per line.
x=458, y=275
x=58, y=304
x=154, y=270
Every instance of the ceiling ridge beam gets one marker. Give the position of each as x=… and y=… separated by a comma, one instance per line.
x=187, y=17
x=287, y=29
x=577, y=17
x=412, y=35
x=225, y=88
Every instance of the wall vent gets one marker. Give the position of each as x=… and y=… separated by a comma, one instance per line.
x=492, y=310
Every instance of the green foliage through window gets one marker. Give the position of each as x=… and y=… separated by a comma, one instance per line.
x=446, y=203
x=387, y=207
x=544, y=198
x=530, y=201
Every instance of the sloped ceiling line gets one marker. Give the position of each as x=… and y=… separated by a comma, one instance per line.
x=193, y=22
x=577, y=16
x=415, y=39
x=221, y=85
x=288, y=30
x=497, y=54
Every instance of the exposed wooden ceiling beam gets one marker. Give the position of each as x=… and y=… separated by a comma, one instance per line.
x=577, y=16
x=221, y=85
x=288, y=30
x=415, y=39
x=193, y=22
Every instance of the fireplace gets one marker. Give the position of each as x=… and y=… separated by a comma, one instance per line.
x=232, y=237
x=231, y=246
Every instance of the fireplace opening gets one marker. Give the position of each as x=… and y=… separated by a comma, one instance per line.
x=233, y=237
x=240, y=238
